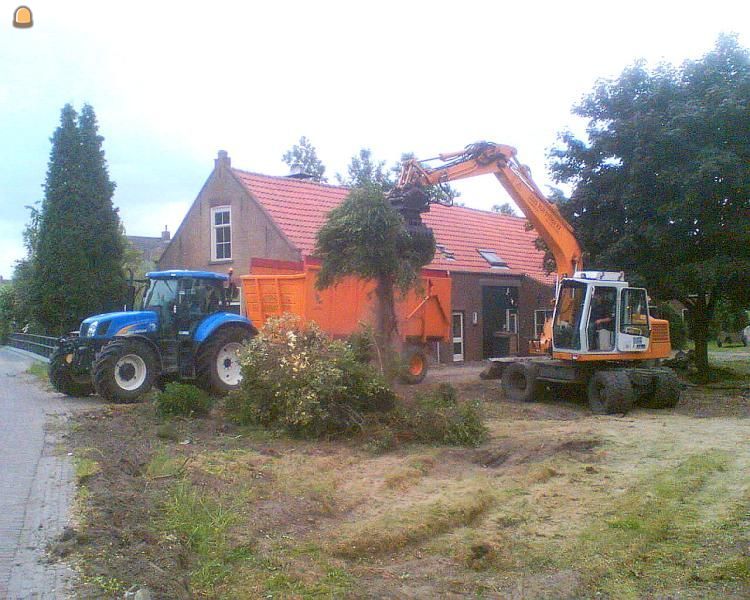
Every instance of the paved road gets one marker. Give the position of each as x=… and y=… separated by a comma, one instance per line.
x=36, y=482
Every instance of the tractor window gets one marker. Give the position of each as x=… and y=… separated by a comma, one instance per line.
x=160, y=294
x=634, y=317
x=566, y=330
x=202, y=296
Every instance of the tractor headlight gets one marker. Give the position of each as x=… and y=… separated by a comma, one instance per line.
x=92, y=329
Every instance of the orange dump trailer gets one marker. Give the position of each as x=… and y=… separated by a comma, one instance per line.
x=423, y=315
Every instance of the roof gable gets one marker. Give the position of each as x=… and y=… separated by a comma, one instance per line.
x=299, y=208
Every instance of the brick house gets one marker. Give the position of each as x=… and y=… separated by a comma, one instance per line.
x=500, y=291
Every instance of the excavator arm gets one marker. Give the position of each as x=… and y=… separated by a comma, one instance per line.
x=411, y=198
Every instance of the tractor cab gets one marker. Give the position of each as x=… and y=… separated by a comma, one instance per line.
x=182, y=299
x=598, y=313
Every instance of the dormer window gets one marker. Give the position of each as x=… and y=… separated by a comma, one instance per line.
x=221, y=233
x=493, y=259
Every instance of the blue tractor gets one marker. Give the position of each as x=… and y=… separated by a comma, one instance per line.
x=183, y=331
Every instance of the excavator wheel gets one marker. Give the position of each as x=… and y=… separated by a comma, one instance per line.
x=666, y=392
x=610, y=392
x=519, y=382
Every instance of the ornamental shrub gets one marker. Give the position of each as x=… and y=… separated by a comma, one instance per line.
x=296, y=377
x=182, y=399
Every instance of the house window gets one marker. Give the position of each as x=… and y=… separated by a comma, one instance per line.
x=493, y=259
x=540, y=316
x=221, y=233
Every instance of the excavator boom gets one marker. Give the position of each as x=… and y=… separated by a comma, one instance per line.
x=411, y=198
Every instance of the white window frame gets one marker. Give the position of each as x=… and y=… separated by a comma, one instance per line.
x=214, y=227
x=539, y=324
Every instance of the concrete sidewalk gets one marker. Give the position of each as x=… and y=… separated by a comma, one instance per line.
x=36, y=481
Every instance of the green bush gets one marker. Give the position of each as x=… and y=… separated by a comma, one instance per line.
x=362, y=342
x=677, y=328
x=182, y=399
x=438, y=416
x=295, y=377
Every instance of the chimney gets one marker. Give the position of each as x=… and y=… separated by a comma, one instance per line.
x=223, y=160
x=296, y=171
x=165, y=235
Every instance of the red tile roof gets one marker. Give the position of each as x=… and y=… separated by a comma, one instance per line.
x=299, y=208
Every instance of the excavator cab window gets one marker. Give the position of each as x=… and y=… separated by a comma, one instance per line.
x=602, y=317
x=566, y=330
x=634, y=315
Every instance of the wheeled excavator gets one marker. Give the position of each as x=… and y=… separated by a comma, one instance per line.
x=601, y=335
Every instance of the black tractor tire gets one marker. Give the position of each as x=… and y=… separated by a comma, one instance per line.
x=415, y=365
x=211, y=376
x=519, y=382
x=610, y=393
x=62, y=379
x=666, y=392
x=124, y=370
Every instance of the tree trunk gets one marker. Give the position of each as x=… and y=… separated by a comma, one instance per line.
x=386, y=324
x=700, y=319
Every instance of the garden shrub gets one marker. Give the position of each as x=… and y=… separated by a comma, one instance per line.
x=182, y=399
x=438, y=416
x=296, y=377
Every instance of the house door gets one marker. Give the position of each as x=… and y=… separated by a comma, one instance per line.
x=499, y=315
x=458, y=336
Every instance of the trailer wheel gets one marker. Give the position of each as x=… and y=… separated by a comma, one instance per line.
x=125, y=370
x=62, y=379
x=519, y=382
x=666, y=392
x=217, y=362
x=415, y=368
x=610, y=392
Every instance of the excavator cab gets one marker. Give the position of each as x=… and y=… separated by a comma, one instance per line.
x=597, y=313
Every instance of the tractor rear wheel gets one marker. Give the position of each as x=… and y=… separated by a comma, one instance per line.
x=217, y=362
x=124, y=370
x=610, y=392
x=519, y=382
x=62, y=379
x=415, y=365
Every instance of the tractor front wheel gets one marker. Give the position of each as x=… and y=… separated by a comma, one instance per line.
x=217, y=362
x=124, y=370
x=62, y=379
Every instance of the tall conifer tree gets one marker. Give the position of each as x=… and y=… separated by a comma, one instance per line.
x=79, y=254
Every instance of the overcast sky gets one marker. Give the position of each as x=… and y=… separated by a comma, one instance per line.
x=174, y=82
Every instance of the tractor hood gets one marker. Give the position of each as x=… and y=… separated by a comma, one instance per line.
x=120, y=323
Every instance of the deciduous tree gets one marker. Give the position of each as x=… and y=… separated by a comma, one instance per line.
x=305, y=157
x=365, y=237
